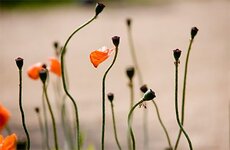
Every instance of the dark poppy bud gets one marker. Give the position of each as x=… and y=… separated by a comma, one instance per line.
x=110, y=96
x=194, y=31
x=43, y=75
x=149, y=95
x=128, y=22
x=19, y=62
x=99, y=8
x=56, y=44
x=130, y=71
x=116, y=40
x=44, y=66
x=176, y=54
x=144, y=88
x=37, y=110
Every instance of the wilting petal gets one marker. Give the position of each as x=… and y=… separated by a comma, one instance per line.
x=33, y=71
x=98, y=56
x=4, y=116
x=55, y=66
x=9, y=143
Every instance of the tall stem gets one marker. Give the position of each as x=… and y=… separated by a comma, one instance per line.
x=45, y=121
x=162, y=124
x=21, y=110
x=63, y=52
x=176, y=107
x=130, y=124
x=103, y=99
x=184, y=92
x=114, y=127
x=52, y=117
x=41, y=129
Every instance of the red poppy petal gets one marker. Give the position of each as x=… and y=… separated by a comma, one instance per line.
x=55, y=66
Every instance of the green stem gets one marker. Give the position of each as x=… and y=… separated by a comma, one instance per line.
x=176, y=107
x=184, y=92
x=103, y=99
x=52, y=117
x=41, y=129
x=21, y=110
x=162, y=124
x=130, y=124
x=64, y=79
x=114, y=126
x=45, y=121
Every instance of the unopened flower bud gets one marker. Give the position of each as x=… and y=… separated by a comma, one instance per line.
x=130, y=71
x=56, y=44
x=194, y=31
x=19, y=62
x=110, y=96
x=149, y=95
x=99, y=8
x=43, y=75
x=116, y=40
x=37, y=110
x=176, y=54
x=128, y=22
x=144, y=88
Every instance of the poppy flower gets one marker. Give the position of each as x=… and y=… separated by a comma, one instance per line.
x=100, y=55
x=33, y=71
x=55, y=66
x=4, y=116
x=9, y=143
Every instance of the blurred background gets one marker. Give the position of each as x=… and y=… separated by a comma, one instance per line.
x=28, y=29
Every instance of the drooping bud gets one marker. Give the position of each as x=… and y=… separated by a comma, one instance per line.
x=43, y=75
x=144, y=88
x=37, y=110
x=116, y=40
x=130, y=71
x=149, y=95
x=194, y=31
x=56, y=45
x=99, y=8
x=110, y=96
x=176, y=54
x=19, y=62
x=128, y=22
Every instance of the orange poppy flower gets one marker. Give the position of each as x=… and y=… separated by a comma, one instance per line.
x=100, y=55
x=33, y=71
x=9, y=143
x=4, y=116
x=55, y=66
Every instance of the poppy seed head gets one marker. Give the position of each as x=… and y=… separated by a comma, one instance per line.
x=19, y=62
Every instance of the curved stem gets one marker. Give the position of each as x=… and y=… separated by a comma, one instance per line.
x=176, y=107
x=21, y=110
x=184, y=92
x=114, y=126
x=103, y=99
x=64, y=79
x=52, y=117
x=130, y=124
x=162, y=124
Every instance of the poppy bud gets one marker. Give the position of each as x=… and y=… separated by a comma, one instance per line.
x=37, y=110
x=144, y=88
x=194, y=31
x=110, y=96
x=130, y=72
x=43, y=75
x=99, y=8
x=176, y=54
x=56, y=44
x=19, y=62
x=149, y=95
x=116, y=40
x=128, y=22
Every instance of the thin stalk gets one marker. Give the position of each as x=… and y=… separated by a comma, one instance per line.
x=8, y=130
x=63, y=52
x=52, y=117
x=184, y=92
x=45, y=121
x=21, y=110
x=114, y=127
x=41, y=129
x=162, y=124
x=130, y=124
x=103, y=99
x=176, y=107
